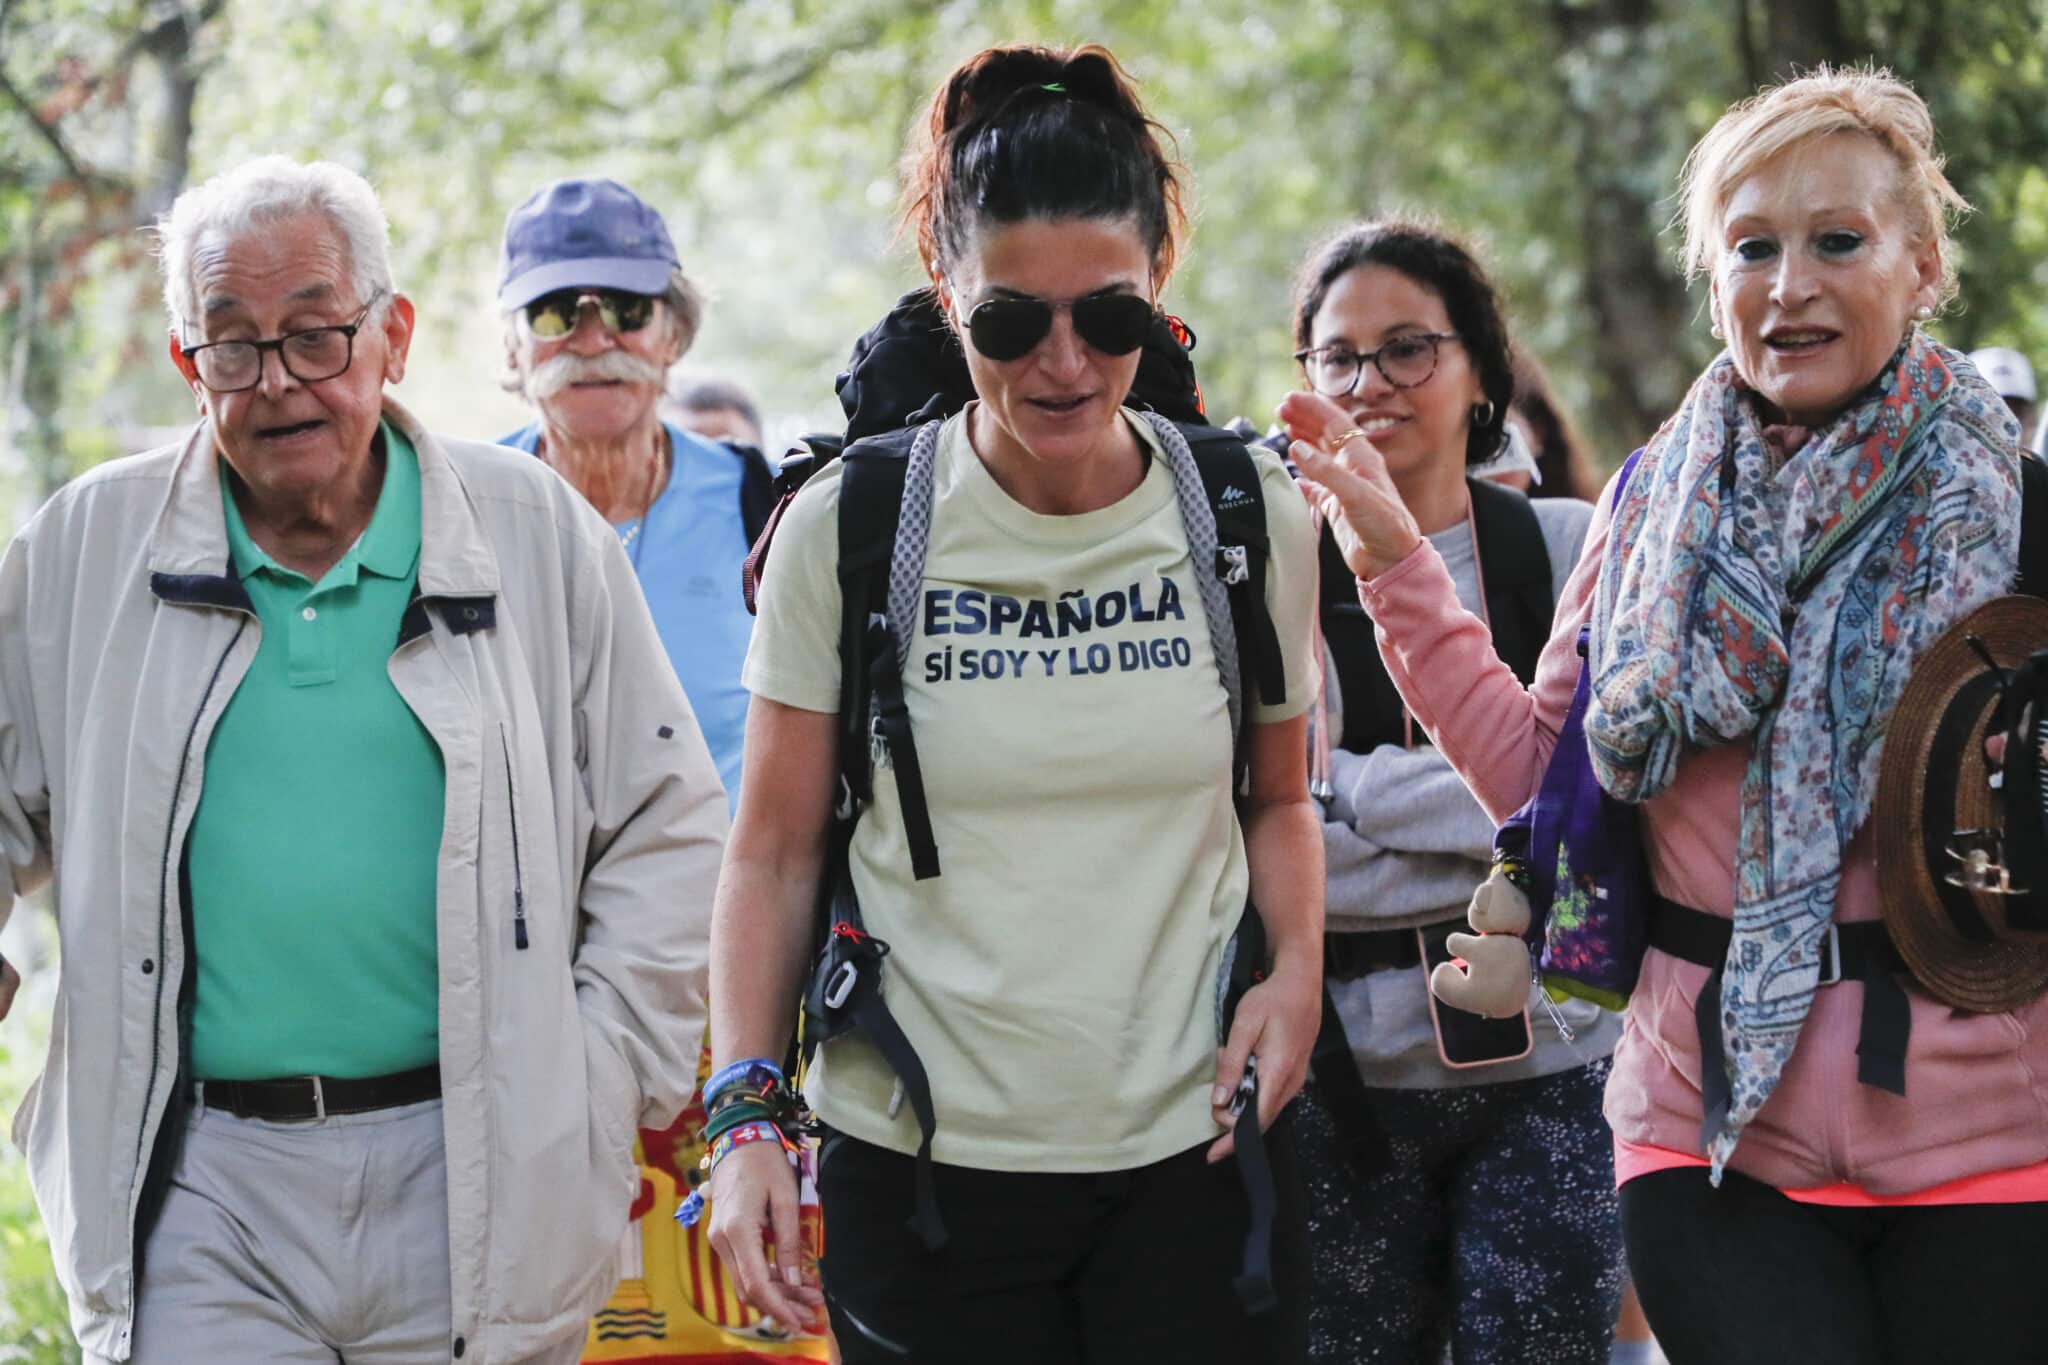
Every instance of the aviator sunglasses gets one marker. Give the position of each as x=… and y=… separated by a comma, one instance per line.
x=554, y=315
x=1007, y=328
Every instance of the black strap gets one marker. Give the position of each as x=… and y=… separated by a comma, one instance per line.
x=2033, y=575
x=1516, y=571
x=1230, y=478
x=1515, y=566
x=757, y=489
x=1342, y=1091
x=885, y=676
x=873, y=1018
x=1255, y=1284
x=1862, y=951
x=1351, y=953
x=870, y=504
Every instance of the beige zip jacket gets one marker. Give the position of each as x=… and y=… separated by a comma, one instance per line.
x=580, y=846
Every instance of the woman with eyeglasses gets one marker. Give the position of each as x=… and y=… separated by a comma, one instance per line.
x=1058, y=978
x=1459, y=1189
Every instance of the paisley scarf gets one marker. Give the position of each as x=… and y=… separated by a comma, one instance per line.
x=1785, y=603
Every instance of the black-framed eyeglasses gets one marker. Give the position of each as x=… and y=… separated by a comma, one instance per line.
x=309, y=356
x=554, y=315
x=1008, y=328
x=1405, y=361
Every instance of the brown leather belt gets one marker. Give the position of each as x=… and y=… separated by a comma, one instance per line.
x=292, y=1098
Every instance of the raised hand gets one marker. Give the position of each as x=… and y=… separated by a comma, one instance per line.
x=1346, y=478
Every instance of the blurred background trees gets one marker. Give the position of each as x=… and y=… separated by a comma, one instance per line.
x=768, y=132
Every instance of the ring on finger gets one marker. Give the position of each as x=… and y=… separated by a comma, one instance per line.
x=1352, y=434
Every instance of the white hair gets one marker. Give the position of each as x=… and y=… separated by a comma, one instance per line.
x=267, y=190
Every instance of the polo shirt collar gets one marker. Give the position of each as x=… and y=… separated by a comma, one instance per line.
x=388, y=547
x=455, y=556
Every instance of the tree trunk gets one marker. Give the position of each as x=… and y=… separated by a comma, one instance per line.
x=1641, y=318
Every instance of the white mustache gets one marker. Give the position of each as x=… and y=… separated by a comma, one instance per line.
x=551, y=376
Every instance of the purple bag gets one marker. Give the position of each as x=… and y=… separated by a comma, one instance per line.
x=1587, y=879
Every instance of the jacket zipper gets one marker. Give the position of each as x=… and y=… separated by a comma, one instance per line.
x=518, y=878
x=163, y=907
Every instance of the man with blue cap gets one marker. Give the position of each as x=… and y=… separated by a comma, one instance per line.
x=596, y=308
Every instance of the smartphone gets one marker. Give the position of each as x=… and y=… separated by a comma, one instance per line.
x=1463, y=1038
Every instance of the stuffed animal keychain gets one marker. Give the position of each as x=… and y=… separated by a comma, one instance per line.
x=1494, y=980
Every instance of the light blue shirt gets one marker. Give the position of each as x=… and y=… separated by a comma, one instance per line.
x=687, y=555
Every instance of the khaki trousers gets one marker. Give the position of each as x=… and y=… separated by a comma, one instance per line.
x=317, y=1242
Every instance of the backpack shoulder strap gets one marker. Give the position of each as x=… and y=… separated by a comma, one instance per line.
x=870, y=501
x=1515, y=566
x=809, y=455
x=2033, y=576
x=758, y=498
x=1230, y=477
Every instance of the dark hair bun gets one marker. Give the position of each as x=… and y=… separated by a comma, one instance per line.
x=1036, y=132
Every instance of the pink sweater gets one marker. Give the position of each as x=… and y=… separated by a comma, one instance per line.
x=1976, y=1096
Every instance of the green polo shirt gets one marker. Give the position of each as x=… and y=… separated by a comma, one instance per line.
x=315, y=847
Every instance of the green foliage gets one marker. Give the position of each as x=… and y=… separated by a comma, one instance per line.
x=35, y=1324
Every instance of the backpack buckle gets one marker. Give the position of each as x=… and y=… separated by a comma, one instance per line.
x=839, y=986
x=1233, y=564
x=1831, y=956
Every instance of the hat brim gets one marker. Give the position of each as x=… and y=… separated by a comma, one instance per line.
x=634, y=274
x=2012, y=968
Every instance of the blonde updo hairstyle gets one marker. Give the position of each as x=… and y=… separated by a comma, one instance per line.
x=1865, y=100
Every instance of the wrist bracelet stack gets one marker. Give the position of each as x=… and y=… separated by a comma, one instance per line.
x=745, y=1103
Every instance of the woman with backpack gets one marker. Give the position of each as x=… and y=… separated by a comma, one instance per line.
x=1460, y=1188
x=1819, y=1161
x=1059, y=908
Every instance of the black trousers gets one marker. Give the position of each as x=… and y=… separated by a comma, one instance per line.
x=1058, y=1269
x=1744, y=1276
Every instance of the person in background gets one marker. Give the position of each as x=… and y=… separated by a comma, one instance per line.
x=596, y=308
x=2007, y=371
x=716, y=409
x=1564, y=469
x=1460, y=1196
x=1802, y=1178
x=382, y=841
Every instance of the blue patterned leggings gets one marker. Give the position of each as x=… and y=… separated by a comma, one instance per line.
x=1492, y=1227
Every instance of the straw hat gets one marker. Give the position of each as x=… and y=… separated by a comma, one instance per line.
x=1933, y=791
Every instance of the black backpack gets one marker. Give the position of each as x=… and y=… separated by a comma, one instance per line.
x=906, y=372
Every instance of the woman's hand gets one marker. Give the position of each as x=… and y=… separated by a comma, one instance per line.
x=754, y=1203
x=1350, y=484
x=1277, y=1021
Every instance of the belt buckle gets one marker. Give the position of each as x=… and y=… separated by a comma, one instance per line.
x=319, y=1100
x=1831, y=955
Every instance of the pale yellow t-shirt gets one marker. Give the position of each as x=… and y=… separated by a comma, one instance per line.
x=1058, y=978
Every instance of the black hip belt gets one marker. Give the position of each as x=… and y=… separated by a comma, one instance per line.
x=1849, y=952
x=294, y=1098
x=1350, y=954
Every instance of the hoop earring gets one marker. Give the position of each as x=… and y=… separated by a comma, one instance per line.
x=1482, y=413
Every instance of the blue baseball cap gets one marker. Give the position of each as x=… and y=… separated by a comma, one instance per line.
x=593, y=234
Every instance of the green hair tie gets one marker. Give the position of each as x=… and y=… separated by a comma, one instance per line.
x=1055, y=87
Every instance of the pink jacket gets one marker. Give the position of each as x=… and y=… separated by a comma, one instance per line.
x=1976, y=1085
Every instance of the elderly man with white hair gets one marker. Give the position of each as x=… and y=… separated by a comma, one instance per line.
x=382, y=836
x=596, y=308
